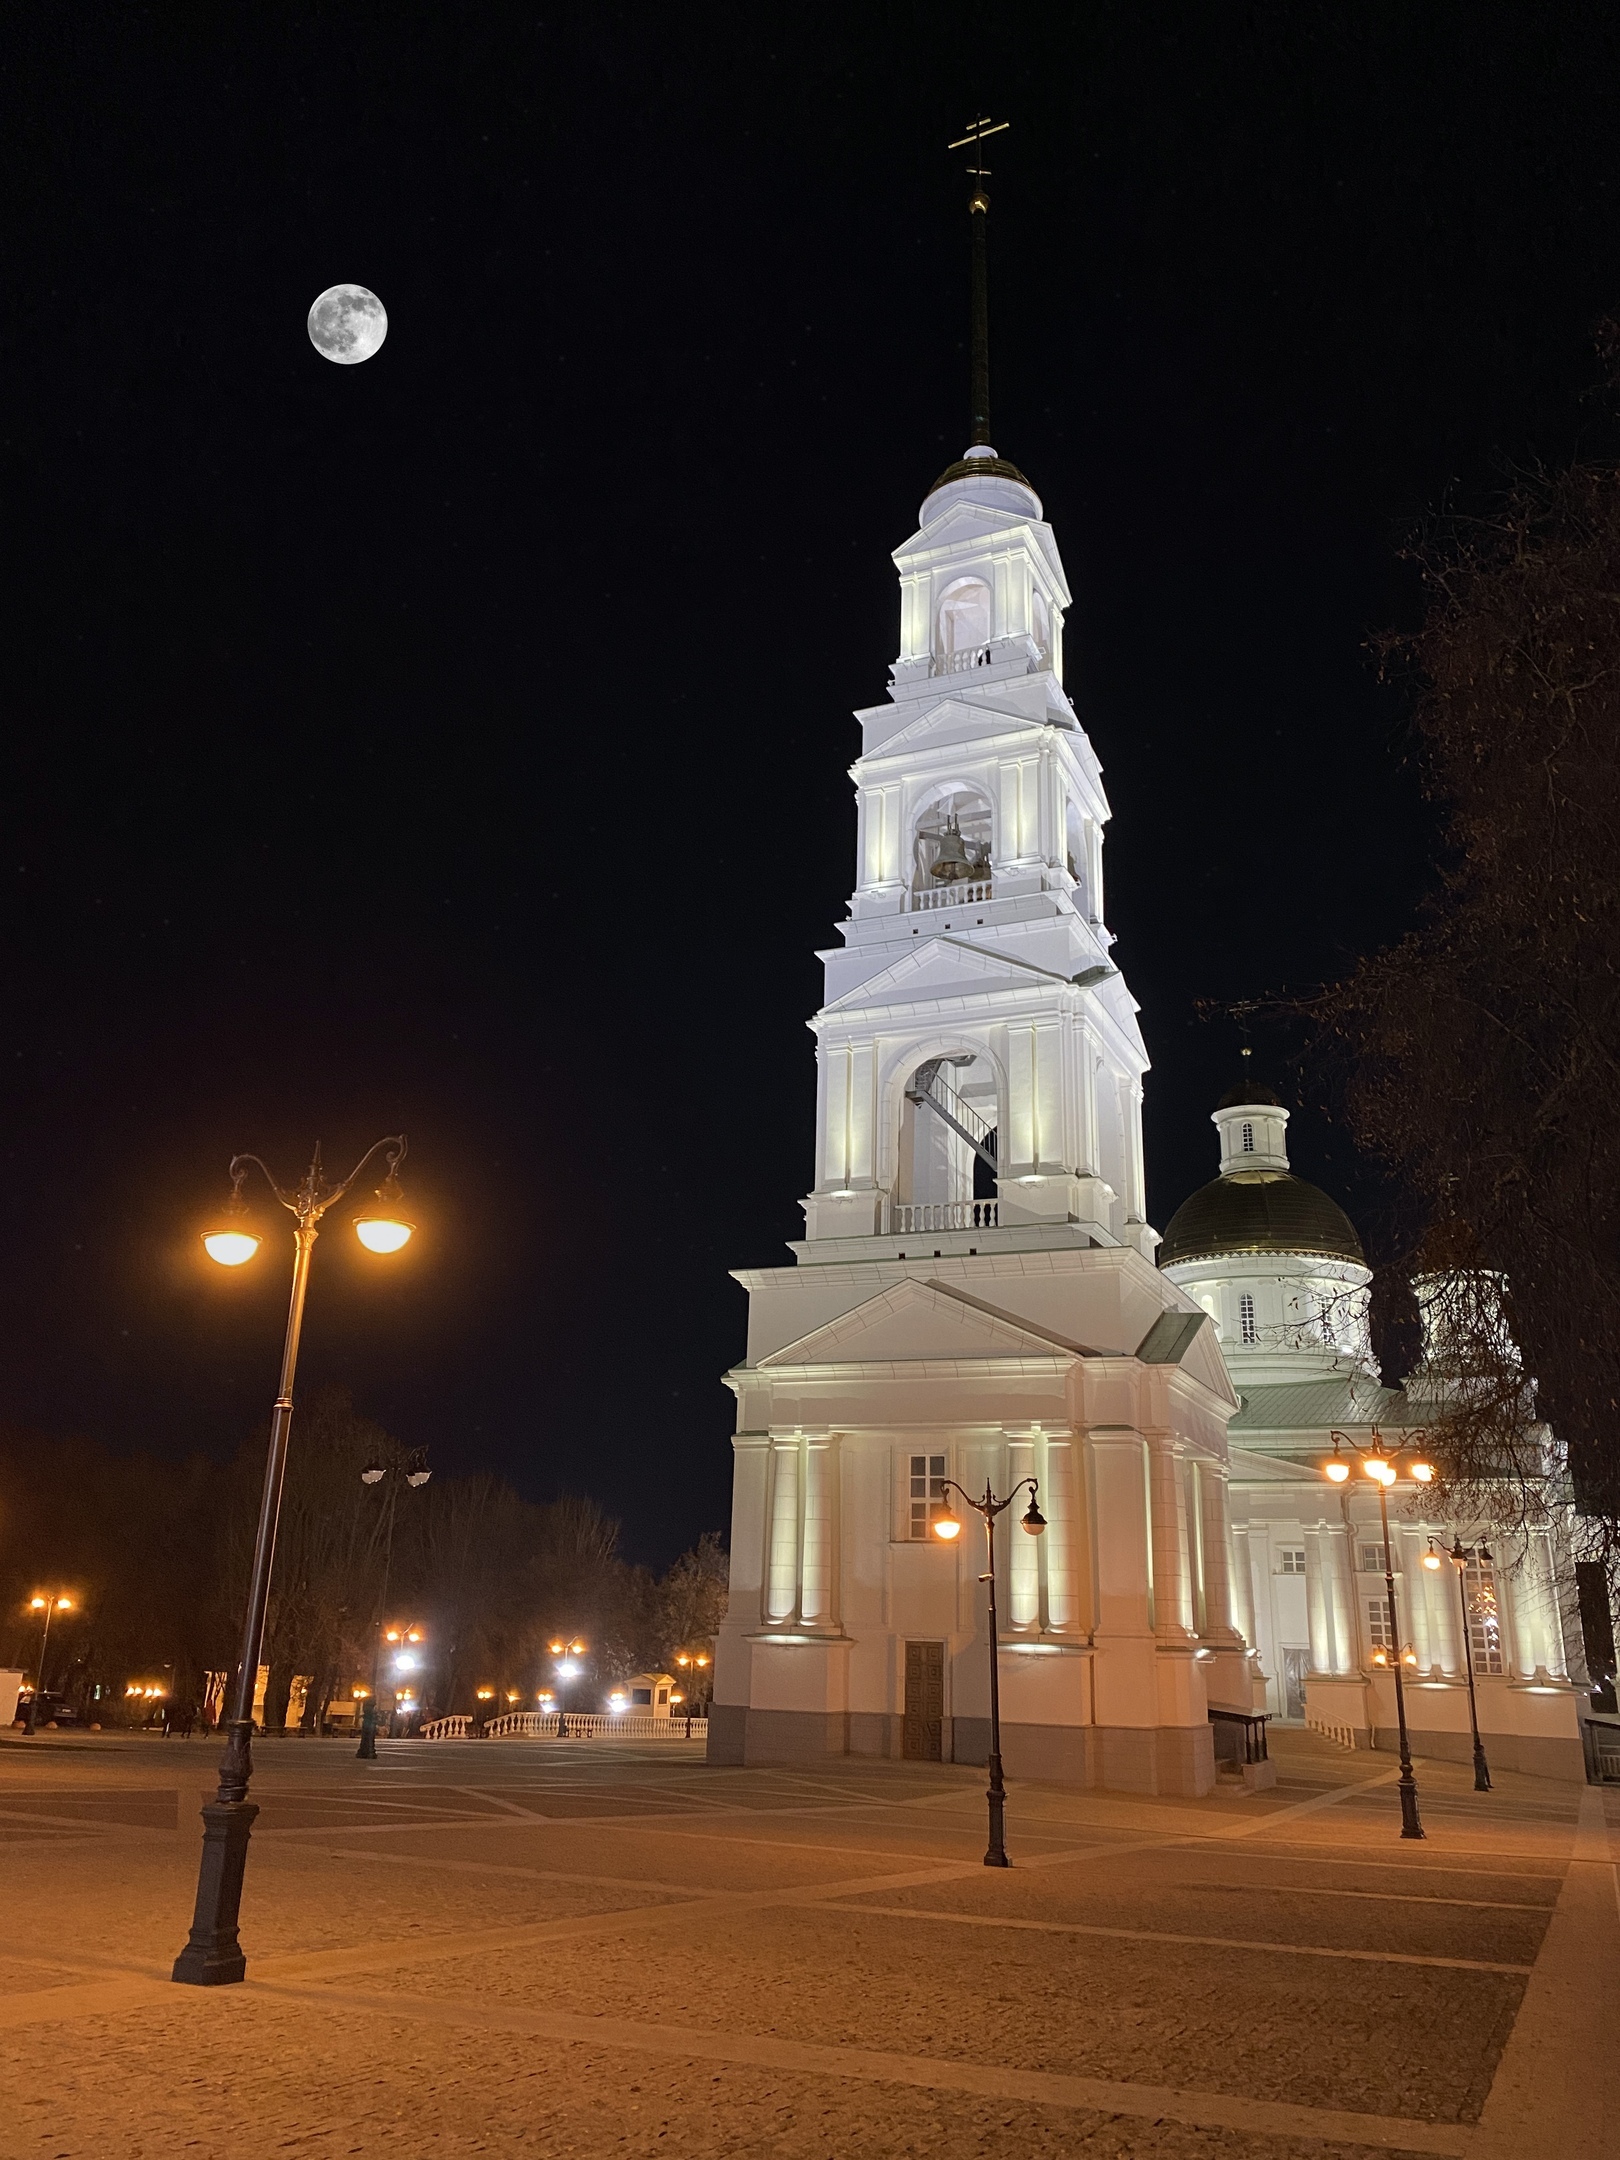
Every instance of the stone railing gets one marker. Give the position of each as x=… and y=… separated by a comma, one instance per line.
x=447, y=1728
x=908, y=1218
x=1341, y=1735
x=577, y=1725
x=968, y=893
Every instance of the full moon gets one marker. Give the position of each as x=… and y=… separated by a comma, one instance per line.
x=347, y=324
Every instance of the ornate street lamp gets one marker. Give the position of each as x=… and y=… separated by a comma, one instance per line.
x=413, y=1469
x=1382, y=1466
x=1462, y=1557
x=213, y=1955
x=946, y=1525
x=44, y=1603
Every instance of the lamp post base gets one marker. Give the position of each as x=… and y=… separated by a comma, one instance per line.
x=367, y=1750
x=996, y=1795
x=1482, y=1770
x=1410, y=1826
x=213, y=1956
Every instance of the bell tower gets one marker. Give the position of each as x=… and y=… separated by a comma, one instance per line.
x=980, y=1063
x=975, y=1296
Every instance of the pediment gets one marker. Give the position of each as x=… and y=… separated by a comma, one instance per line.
x=955, y=719
x=914, y=1320
x=943, y=967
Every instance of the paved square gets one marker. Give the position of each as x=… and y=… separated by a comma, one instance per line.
x=591, y=1948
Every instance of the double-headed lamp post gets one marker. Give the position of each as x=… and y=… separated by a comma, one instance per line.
x=947, y=1525
x=415, y=1472
x=43, y=1604
x=1383, y=1466
x=1462, y=1557
x=213, y=1955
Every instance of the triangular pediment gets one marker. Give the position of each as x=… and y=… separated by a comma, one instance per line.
x=914, y=1320
x=954, y=719
x=943, y=967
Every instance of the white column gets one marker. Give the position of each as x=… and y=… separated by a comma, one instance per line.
x=1243, y=1586
x=1172, y=1583
x=1023, y=1556
x=1059, y=1504
x=1340, y=1583
x=1316, y=1600
x=1219, y=1619
x=1413, y=1592
x=782, y=1573
x=820, y=1522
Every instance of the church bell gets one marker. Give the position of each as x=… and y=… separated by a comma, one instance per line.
x=951, y=864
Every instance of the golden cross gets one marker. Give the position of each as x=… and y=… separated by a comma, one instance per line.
x=974, y=139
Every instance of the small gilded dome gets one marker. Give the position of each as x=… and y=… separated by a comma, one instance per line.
x=1259, y=1211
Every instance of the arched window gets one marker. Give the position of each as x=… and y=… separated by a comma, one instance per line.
x=1247, y=1331
x=1248, y=1138
x=1043, y=624
x=964, y=617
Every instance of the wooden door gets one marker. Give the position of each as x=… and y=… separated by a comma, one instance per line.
x=925, y=1701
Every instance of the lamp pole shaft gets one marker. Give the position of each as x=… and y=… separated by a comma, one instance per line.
x=367, y=1750
x=31, y=1724
x=213, y=1955
x=996, y=1793
x=1411, y=1827
x=1482, y=1769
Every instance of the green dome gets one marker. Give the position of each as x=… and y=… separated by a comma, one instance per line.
x=1259, y=1211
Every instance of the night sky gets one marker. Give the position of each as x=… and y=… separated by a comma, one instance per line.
x=458, y=743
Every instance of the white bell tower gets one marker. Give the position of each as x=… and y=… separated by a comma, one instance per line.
x=975, y=1297
x=980, y=1061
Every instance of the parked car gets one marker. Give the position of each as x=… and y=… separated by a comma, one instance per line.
x=53, y=1709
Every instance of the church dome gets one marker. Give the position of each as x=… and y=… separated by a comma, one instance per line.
x=983, y=478
x=1257, y=1211
x=1248, y=1091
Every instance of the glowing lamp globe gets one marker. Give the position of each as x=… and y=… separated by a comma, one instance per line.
x=380, y=1234
x=947, y=1527
x=1423, y=1472
x=1336, y=1472
x=231, y=1248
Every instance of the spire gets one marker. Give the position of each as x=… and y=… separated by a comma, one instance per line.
x=978, y=223
x=981, y=461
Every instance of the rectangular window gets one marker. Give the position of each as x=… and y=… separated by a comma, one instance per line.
x=1290, y=1560
x=1484, y=1617
x=927, y=1495
x=1247, y=1331
x=1372, y=1559
x=1380, y=1635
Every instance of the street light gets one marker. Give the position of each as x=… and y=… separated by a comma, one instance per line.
x=947, y=1526
x=413, y=1469
x=46, y=1603
x=213, y=1956
x=1381, y=1465
x=1461, y=1557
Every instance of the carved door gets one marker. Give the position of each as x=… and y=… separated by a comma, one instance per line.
x=925, y=1701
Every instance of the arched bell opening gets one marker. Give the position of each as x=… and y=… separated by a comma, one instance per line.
x=947, y=1153
x=963, y=622
x=951, y=841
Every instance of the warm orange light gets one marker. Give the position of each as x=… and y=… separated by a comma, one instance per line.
x=1380, y=1657
x=1336, y=1472
x=230, y=1247
x=360, y=1693
x=413, y=1634
x=1423, y=1472
x=391, y=1634
x=512, y=1694
x=947, y=1526
x=381, y=1234
x=682, y=1658
x=486, y=1694
x=556, y=1649
x=1431, y=1560
x=703, y=1661
x=1409, y=1657
x=1381, y=1472
x=38, y=1604
x=675, y=1695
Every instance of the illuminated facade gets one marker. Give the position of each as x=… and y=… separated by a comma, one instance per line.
x=1279, y=1268
x=975, y=1295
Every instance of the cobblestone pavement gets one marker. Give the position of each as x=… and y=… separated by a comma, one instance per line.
x=592, y=1948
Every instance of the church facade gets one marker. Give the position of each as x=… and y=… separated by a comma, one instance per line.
x=1279, y=1269
x=979, y=1300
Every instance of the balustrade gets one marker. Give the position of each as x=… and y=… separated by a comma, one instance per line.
x=969, y=893
x=907, y=1217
